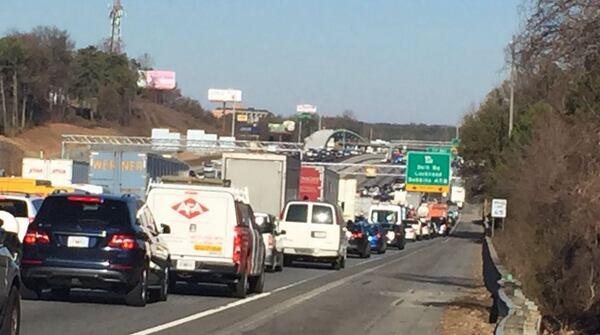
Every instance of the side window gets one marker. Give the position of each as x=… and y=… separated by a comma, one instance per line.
x=150, y=224
x=297, y=213
x=322, y=214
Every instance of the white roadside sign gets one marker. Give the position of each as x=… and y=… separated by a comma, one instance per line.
x=306, y=108
x=227, y=95
x=499, y=208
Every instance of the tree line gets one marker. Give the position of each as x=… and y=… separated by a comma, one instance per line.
x=43, y=77
x=549, y=166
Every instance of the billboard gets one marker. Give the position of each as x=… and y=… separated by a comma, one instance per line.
x=157, y=80
x=228, y=95
x=306, y=108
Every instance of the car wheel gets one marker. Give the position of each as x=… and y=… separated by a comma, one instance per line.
x=402, y=245
x=138, y=295
x=279, y=267
x=257, y=283
x=240, y=288
x=337, y=264
x=164, y=285
x=31, y=293
x=343, y=265
x=11, y=321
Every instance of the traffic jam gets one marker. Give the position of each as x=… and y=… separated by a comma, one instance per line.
x=138, y=224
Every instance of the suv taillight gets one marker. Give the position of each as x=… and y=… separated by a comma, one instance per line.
x=237, y=245
x=33, y=237
x=357, y=234
x=123, y=241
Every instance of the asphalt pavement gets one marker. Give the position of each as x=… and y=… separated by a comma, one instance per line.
x=400, y=292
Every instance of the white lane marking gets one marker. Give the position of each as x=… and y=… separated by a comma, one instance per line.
x=200, y=315
x=294, y=284
x=305, y=296
x=282, y=307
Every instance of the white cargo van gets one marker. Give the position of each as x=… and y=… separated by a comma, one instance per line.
x=211, y=235
x=315, y=232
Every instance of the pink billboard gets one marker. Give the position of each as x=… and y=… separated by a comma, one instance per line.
x=158, y=80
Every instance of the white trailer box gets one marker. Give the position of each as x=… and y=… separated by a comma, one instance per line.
x=60, y=172
x=271, y=180
x=347, y=197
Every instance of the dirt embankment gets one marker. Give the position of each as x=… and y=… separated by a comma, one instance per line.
x=46, y=139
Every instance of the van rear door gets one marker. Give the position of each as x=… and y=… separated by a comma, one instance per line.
x=324, y=232
x=201, y=221
x=296, y=226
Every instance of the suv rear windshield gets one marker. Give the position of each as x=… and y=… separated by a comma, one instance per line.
x=60, y=211
x=384, y=216
x=297, y=213
x=18, y=208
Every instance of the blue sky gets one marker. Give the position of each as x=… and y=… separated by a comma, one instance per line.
x=386, y=60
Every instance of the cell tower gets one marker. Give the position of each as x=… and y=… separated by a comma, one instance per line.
x=116, y=13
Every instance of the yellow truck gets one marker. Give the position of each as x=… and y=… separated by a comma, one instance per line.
x=29, y=186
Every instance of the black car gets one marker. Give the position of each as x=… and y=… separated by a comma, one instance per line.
x=358, y=239
x=10, y=298
x=395, y=235
x=95, y=242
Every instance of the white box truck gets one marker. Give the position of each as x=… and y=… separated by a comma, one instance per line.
x=271, y=180
x=60, y=172
x=347, y=197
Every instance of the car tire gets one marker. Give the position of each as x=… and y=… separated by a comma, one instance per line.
x=239, y=289
x=257, y=283
x=11, y=321
x=279, y=267
x=163, y=293
x=31, y=293
x=402, y=245
x=138, y=295
x=343, y=265
x=337, y=264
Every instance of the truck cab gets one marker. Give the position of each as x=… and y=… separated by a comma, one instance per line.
x=315, y=232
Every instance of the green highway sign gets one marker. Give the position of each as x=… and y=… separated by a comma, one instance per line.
x=446, y=150
x=428, y=172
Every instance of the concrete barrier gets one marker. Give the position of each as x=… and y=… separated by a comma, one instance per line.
x=512, y=312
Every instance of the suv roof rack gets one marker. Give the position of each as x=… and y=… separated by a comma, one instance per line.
x=25, y=194
x=196, y=181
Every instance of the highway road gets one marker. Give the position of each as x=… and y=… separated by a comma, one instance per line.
x=400, y=292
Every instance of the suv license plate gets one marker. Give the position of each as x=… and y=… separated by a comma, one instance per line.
x=183, y=264
x=78, y=242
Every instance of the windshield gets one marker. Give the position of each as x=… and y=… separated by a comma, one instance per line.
x=384, y=216
x=59, y=211
x=18, y=208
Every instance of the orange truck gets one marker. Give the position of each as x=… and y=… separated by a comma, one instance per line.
x=437, y=211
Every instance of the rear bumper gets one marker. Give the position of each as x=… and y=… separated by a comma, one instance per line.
x=49, y=276
x=310, y=254
x=356, y=247
x=207, y=272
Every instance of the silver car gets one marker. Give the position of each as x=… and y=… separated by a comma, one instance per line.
x=267, y=226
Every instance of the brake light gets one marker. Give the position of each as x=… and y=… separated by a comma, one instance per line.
x=378, y=235
x=237, y=245
x=33, y=237
x=31, y=220
x=123, y=241
x=357, y=234
x=270, y=241
x=85, y=198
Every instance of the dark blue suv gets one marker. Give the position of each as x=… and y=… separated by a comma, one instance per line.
x=95, y=242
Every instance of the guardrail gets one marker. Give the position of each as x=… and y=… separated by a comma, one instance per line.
x=512, y=312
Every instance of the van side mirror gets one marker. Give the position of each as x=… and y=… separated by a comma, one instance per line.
x=165, y=228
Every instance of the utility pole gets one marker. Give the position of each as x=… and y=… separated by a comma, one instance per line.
x=512, y=89
x=233, y=120
x=116, y=13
